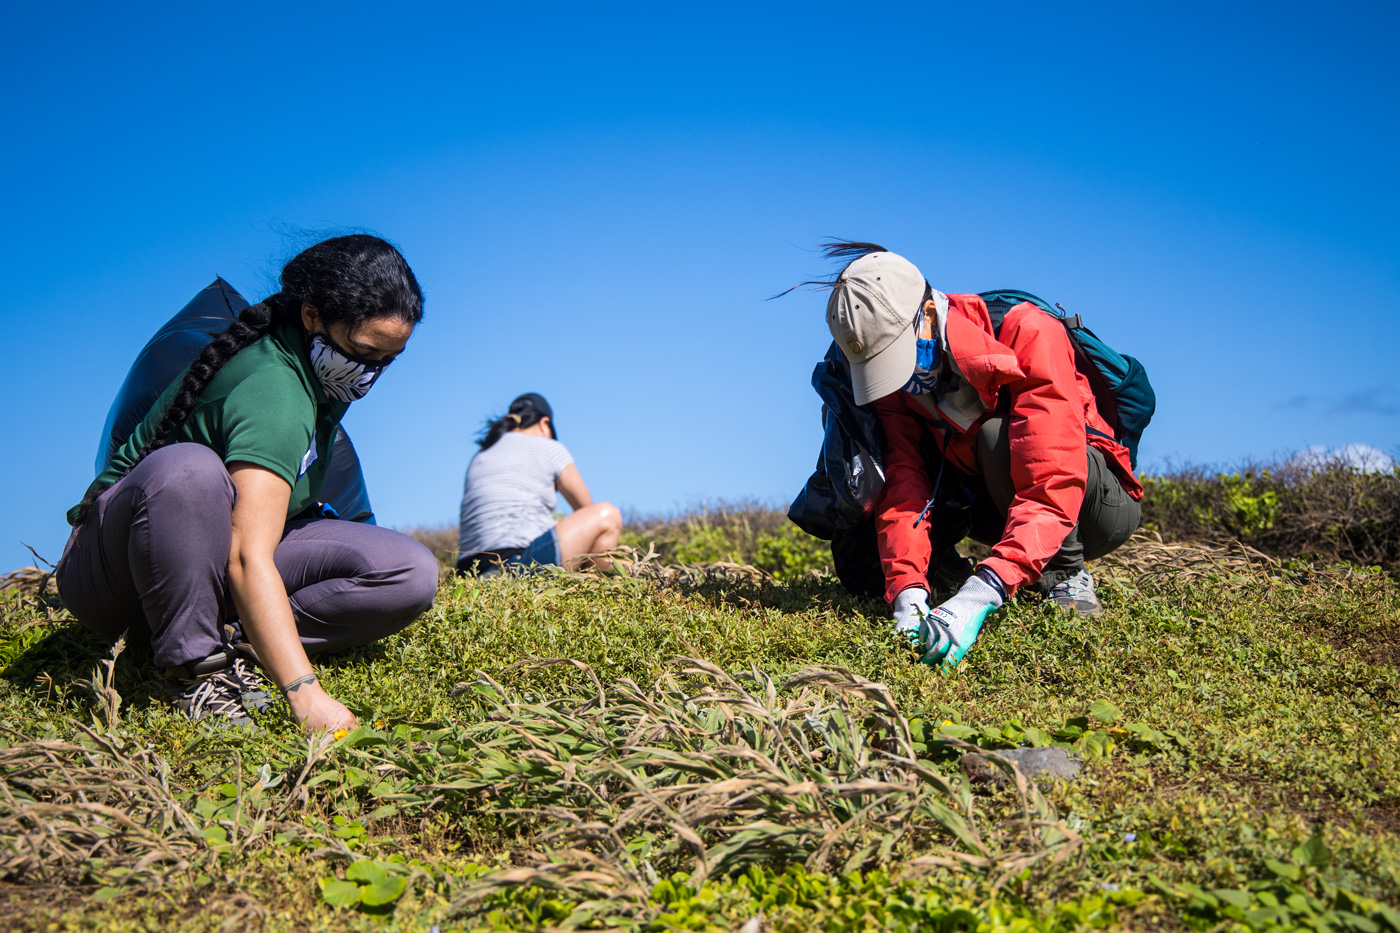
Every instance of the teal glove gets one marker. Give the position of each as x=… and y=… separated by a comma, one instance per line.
x=950, y=629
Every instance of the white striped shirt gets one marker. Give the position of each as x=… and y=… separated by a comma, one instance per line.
x=509, y=495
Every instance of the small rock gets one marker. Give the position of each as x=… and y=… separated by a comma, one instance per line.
x=978, y=770
x=1035, y=763
x=1043, y=762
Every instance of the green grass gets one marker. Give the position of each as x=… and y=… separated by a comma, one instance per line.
x=1238, y=725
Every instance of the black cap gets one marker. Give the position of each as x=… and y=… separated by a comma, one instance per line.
x=533, y=401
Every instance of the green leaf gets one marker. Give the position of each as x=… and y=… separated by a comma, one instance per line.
x=1038, y=738
x=1240, y=899
x=1283, y=869
x=349, y=831
x=1358, y=923
x=382, y=892
x=339, y=893
x=382, y=812
x=366, y=872
x=1261, y=917
x=1313, y=853
x=105, y=894
x=1104, y=711
x=1097, y=745
x=323, y=777
x=956, y=731
x=1389, y=915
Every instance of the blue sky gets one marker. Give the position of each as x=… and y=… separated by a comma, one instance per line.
x=598, y=200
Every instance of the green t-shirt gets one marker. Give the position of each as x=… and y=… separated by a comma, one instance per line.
x=264, y=406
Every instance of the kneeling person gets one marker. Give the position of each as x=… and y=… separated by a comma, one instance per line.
x=1008, y=407
x=203, y=534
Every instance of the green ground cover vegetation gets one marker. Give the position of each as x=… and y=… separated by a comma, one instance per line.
x=696, y=747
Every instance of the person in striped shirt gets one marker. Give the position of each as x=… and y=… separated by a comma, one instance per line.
x=509, y=495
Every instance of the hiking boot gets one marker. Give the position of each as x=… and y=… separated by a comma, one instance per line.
x=253, y=687
x=1076, y=593
x=245, y=671
x=204, y=689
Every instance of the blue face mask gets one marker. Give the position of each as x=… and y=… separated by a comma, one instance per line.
x=926, y=360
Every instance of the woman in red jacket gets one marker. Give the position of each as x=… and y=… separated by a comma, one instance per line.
x=1009, y=407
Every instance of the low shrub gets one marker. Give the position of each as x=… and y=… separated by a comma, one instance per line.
x=734, y=532
x=722, y=755
x=440, y=539
x=1296, y=508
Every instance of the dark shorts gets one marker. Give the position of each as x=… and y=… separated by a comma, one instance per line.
x=541, y=552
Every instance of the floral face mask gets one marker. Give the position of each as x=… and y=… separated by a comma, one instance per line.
x=344, y=377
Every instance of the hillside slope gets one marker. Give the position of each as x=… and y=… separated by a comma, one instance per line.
x=724, y=750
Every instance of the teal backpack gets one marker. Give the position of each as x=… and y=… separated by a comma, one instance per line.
x=1121, y=389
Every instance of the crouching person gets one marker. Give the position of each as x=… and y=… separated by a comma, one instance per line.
x=203, y=533
x=508, y=499
x=1004, y=412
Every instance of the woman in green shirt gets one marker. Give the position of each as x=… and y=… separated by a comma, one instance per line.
x=204, y=533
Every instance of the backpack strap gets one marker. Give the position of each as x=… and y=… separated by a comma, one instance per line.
x=1002, y=300
x=1097, y=433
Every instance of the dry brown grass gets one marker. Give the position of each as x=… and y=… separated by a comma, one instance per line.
x=715, y=773
x=1296, y=508
x=31, y=581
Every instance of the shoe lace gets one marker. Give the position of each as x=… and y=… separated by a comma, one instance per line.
x=1079, y=585
x=248, y=678
x=216, y=695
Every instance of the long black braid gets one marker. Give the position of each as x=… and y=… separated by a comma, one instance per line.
x=347, y=279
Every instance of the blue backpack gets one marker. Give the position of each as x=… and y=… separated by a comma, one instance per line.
x=1121, y=390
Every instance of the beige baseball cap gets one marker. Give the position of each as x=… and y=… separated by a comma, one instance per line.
x=871, y=316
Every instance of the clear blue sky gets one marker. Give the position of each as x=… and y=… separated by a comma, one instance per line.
x=598, y=198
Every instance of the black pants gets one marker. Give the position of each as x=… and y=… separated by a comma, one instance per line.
x=1107, y=518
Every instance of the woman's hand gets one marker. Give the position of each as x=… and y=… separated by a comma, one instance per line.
x=316, y=709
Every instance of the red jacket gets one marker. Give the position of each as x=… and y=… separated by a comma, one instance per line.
x=1030, y=370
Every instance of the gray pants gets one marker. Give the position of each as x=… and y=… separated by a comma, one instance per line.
x=1107, y=518
x=153, y=554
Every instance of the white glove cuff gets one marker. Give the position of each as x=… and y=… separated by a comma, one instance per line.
x=913, y=596
x=910, y=608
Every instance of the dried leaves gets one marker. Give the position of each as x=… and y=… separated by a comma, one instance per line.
x=107, y=810
x=713, y=773
x=69, y=812
x=1150, y=562
x=605, y=791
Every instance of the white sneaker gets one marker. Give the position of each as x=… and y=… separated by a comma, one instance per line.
x=1076, y=593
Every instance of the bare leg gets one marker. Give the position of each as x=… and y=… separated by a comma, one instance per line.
x=590, y=530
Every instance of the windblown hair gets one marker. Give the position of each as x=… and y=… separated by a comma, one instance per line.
x=849, y=250
x=522, y=414
x=347, y=279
